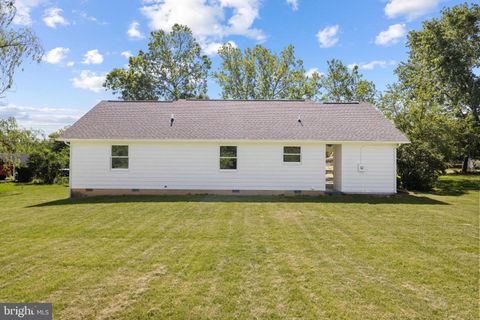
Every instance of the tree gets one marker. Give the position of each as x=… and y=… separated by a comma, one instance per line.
x=45, y=165
x=441, y=68
x=419, y=166
x=173, y=68
x=340, y=84
x=16, y=45
x=15, y=141
x=421, y=120
x=258, y=73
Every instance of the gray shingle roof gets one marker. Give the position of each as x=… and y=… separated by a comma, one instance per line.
x=234, y=120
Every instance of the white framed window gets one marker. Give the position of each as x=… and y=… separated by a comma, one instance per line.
x=119, y=158
x=292, y=154
x=228, y=158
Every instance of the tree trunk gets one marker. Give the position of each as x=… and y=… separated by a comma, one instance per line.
x=465, y=164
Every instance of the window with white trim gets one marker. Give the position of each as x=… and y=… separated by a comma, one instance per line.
x=228, y=157
x=292, y=154
x=119, y=159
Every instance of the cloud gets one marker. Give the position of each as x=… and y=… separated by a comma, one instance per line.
x=293, y=4
x=309, y=73
x=70, y=63
x=212, y=48
x=56, y=55
x=328, y=36
x=49, y=119
x=392, y=35
x=85, y=16
x=133, y=32
x=53, y=17
x=24, y=7
x=373, y=64
x=89, y=80
x=410, y=9
x=92, y=57
x=126, y=54
x=206, y=19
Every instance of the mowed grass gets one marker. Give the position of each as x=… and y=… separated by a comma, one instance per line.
x=206, y=257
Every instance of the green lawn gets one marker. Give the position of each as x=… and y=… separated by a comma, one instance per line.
x=207, y=257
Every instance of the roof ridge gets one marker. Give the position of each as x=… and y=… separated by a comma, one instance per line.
x=236, y=100
x=250, y=100
x=133, y=101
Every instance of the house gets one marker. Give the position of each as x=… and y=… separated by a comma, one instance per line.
x=231, y=147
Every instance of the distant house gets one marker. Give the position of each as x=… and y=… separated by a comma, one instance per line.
x=231, y=147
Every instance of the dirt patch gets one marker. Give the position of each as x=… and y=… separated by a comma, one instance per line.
x=134, y=289
x=287, y=215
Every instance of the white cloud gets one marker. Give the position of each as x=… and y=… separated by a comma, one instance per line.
x=53, y=17
x=89, y=80
x=373, y=64
x=293, y=4
x=126, y=54
x=70, y=63
x=410, y=9
x=85, y=16
x=23, y=11
x=207, y=19
x=328, y=36
x=392, y=35
x=212, y=48
x=49, y=119
x=92, y=57
x=311, y=71
x=56, y=55
x=133, y=31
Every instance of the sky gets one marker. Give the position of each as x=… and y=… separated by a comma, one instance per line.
x=85, y=39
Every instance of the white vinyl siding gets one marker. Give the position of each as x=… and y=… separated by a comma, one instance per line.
x=195, y=165
x=380, y=166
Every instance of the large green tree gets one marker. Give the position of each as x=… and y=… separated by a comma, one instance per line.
x=172, y=68
x=259, y=73
x=16, y=45
x=15, y=141
x=442, y=70
x=341, y=84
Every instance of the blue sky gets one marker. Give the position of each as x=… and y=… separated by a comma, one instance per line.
x=85, y=39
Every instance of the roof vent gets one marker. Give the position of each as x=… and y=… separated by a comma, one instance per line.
x=172, y=119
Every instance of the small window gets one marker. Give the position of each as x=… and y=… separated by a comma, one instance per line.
x=292, y=154
x=119, y=157
x=228, y=157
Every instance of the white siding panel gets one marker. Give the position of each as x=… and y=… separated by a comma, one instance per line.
x=380, y=173
x=187, y=165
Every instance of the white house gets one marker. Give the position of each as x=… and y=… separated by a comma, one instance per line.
x=231, y=147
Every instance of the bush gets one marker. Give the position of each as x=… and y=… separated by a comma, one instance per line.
x=419, y=166
x=24, y=174
x=61, y=181
x=45, y=165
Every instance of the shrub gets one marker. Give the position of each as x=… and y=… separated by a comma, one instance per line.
x=61, y=181
x=45, y=165
x=419, y=166
x=24, y=174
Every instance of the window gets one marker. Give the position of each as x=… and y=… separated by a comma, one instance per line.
x=119, y=157
x=292, y=154
x=228, y=157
